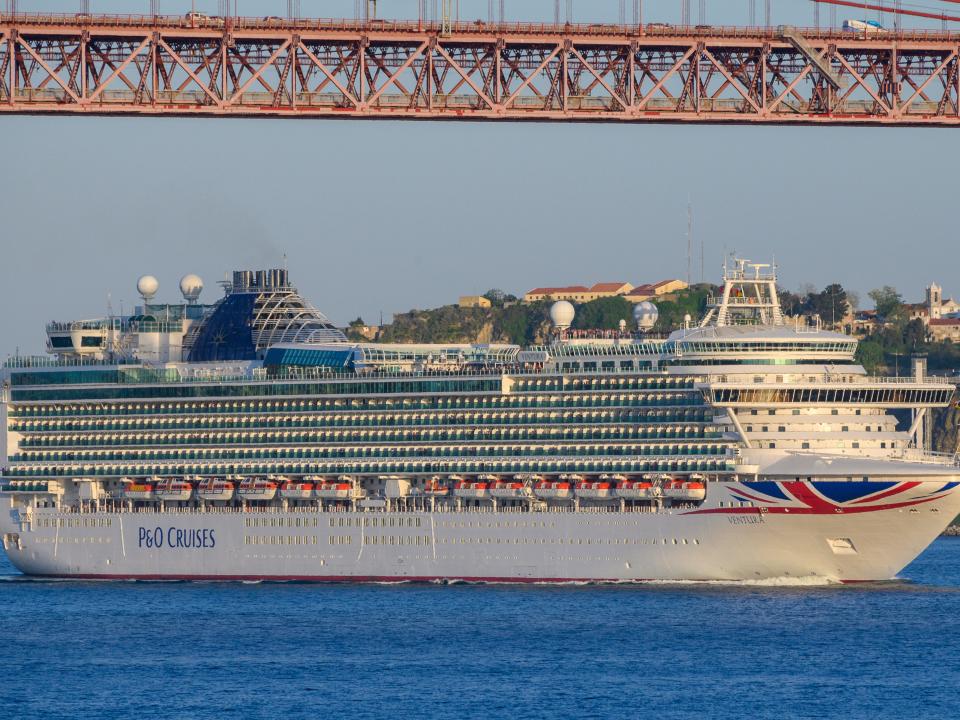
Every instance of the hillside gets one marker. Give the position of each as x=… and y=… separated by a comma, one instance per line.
x=510, y=321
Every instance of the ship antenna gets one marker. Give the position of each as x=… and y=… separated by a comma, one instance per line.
x=110, y=338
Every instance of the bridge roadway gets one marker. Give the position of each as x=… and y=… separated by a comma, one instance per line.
x=142, y=65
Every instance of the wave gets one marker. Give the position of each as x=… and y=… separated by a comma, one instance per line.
x=781, y=581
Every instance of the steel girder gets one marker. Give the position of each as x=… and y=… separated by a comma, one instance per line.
x=244, y=67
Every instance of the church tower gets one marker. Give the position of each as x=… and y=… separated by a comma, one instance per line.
x=934, y=300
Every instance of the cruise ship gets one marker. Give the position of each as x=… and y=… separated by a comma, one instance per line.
x=250, y=439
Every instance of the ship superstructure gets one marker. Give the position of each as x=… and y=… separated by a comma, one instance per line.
x=250, y=439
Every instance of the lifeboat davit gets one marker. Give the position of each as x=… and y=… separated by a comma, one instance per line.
x=296, y=490
x=553, y=489
x=509, y=489
x=594, y=489
x=174, y=490
x=473, y=489
x=685, y=491
x=215, y=489
x=333, y=489
x=634, y=489
x=258, y=489
x=435, y=487
x=138, y=491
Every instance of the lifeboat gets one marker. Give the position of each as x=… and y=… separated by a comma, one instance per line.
x=174, y=490
x=594, y=489
x=138, y=491
x=473, y=489
x=334, y=489
x=435, y=487
x=258, y=489
x=215, y=489
x=508, y=490
x=636, y=489
x=685, y=491
x=296, y=490
x=553, y=489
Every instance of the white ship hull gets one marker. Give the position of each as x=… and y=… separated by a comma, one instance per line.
x=865, y=538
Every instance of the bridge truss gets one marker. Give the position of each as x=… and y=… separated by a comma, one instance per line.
x=117, y=65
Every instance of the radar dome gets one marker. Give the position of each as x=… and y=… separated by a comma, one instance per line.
x=561, y=314
x=191, y=286
x=147, y=286
x=645, y=314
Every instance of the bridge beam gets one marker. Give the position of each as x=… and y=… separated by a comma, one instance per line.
x=116, y=65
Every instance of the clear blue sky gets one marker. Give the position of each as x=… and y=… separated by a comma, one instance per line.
x=377, y=216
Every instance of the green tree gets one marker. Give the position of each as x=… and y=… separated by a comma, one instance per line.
x=692, y=302
x=915, y=335
x=830, y=303
x=522, y=324
x=887, y=301
x=870, y=354
x=603, y=314
x=498, y=297
x=790, y=302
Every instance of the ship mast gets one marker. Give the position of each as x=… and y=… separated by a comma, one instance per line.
x=749, y=296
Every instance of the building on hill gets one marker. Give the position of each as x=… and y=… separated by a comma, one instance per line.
x=474, y=301
x=937, y=307
x=651, y=291
x=917, y=311
x=582, y=293
x=944, y=329
x=573, y=293
x=609, y=289
x=863, y=322
x=578, y=293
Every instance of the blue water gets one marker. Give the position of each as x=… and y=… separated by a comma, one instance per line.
x=209, y=650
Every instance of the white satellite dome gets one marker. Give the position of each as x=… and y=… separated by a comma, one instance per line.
x=645, y=314
x=191, y=286
x=147, y=286
x=561, y=314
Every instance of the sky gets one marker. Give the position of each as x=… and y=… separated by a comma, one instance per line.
x=383, y=217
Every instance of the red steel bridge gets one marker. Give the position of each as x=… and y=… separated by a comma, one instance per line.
x=199, y=66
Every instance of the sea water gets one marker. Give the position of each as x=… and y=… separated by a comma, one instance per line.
x=272, y=650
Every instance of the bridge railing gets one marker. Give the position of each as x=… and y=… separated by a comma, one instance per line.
x=188, y=22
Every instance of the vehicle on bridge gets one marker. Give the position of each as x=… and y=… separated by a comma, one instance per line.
x=864, y=26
